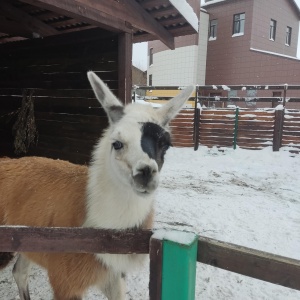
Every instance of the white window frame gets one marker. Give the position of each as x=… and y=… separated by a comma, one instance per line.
x=272, y=33
x=238, y=27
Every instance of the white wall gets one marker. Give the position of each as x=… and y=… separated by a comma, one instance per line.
x=202, y=48
x=184, y=65
x=174, y=67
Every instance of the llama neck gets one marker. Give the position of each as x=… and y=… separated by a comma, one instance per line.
x=110, y=203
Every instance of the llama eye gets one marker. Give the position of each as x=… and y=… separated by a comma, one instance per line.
x=117, y=145
x=165, y=148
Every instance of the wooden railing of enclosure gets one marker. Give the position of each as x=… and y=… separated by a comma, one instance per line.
x=246, y=128
x=264, y=266
x=183, y=129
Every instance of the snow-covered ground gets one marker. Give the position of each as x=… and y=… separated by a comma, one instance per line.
x=249, y=198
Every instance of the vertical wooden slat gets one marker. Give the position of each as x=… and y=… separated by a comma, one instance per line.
x=124, y=67
x=196, y=128
x=278, y=127
x=196, y=121
x=236, y=126
x=155, y=284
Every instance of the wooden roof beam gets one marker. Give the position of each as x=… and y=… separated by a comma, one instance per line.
x=133, y=13
x=141, y=19
x=82, y=12
x=30, y=23
x=118, y=15
x=152, y=3
x=13, y=28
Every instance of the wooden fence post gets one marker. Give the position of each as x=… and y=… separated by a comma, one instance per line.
x=196, y=128
x=196, y=121
x=155, y=255
x=236, y=127
x=278, y=128
x=176, y=253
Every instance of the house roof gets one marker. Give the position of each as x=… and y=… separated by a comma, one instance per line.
x=296, y=7
x=146, y=19
x=211, y=2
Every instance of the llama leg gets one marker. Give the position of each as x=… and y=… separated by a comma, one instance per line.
x=20, y=272
x=114, y=287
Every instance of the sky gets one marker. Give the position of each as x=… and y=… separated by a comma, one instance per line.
x=139, y=55
x=140, y=50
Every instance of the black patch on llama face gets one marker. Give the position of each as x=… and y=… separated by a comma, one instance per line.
x=155, y=142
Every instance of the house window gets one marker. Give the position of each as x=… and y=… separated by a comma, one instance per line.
x=151, y=57
x=238, y=24
x=213, y=24
x=150, y=80
x=288, y=36
x=273, y=29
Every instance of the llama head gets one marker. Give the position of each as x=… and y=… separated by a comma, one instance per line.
x=138, y=137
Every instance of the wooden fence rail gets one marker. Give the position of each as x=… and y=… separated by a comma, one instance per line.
x=227, y=127
x=261, y=265
x=245, y=128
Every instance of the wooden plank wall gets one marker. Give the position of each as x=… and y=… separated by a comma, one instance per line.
x=182, y=128
x=255, y=128
x=291, y=131
x=69, y=119
x=217, y=127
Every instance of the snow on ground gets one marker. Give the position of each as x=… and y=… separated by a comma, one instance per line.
x=249, y=198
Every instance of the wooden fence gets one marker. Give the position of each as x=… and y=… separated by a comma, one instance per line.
x=264, y=266
x=291, y=131
x=232, y=127
x=183, y=129
x=246, y=128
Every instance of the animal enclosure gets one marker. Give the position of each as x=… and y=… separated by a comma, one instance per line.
x=46, y=48
x=234, y=258
x=232, y=121
x=246, y=128
x=64, y=104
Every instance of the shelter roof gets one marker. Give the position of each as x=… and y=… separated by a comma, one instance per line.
x=146, y=19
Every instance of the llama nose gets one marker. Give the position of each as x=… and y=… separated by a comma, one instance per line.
x=145, y=169
x=144, y=176
x=146, y=172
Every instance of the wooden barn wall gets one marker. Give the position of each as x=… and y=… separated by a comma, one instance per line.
x=69, y=119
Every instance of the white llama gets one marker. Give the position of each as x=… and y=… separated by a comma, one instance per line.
x=115, y=192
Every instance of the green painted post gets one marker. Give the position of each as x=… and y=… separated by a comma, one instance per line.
x=179, y=266
x=236, y=126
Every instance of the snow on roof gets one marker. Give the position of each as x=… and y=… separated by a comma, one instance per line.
x=186, y=10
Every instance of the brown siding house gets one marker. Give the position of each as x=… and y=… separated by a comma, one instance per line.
x=253, y=57
x=250, y=42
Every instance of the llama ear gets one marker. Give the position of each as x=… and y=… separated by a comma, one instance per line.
x=173, y=106
x=112, y=106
